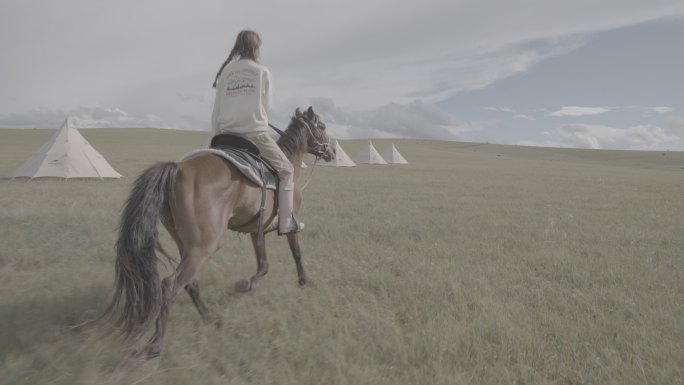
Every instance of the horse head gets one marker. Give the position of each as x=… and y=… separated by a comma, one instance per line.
x=317, y=141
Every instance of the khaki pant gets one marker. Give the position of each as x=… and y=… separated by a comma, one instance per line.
x=271, y=152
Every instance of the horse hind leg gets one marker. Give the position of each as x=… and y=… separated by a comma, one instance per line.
x=262, y=268
x=183, y=275
x=208, y=316
x=191, y=288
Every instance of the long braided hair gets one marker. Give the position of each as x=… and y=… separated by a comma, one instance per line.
x=246, y=46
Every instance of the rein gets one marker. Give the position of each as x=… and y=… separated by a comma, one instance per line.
x=313, y=166
x=276, y=129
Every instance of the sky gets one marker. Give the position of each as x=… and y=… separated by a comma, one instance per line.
x=603, y=74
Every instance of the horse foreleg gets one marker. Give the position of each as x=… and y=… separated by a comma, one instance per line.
x=262, y=268
x=293, y=241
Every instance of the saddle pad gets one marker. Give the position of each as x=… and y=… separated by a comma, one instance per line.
x=241, y=164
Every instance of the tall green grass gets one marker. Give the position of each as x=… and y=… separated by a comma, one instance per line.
x=472, y=264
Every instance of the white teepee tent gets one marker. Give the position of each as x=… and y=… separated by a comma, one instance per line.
x=66, y=155
x=341, y=158
x=392, y=155
x=369, y=155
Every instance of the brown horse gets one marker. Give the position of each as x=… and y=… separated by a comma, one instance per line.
x=197, y=201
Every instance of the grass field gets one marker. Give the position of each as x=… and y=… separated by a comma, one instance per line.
x=473, y=264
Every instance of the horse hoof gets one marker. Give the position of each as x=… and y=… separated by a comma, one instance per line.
x=214, y=320
x=302, y=281
x=243, y=286
x=146, y=353
x=217, y=323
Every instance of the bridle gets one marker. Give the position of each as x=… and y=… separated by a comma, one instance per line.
x=319, y=148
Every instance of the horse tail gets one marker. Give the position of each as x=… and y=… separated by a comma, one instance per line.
x=137, y=281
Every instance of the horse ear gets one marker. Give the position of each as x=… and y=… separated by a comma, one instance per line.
x=310, y=112
x=298, y=112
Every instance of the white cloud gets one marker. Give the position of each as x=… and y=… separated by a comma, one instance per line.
x=580, y=111
x=585, y=111
x=498, y=109
x=640, y=137
x=524, y=116
x=662, y=110
x=81, y=117
x=394, y=120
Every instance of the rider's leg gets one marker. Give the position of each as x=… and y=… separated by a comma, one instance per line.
x=269, y=150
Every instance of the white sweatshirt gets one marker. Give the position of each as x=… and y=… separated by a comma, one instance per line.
x=244, y=95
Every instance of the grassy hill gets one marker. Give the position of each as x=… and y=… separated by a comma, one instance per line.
x=474, y=263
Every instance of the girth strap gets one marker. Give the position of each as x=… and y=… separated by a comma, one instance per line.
x=260, y=223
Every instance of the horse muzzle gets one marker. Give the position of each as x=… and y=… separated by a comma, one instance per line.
x=323, y=150
x=327, y=153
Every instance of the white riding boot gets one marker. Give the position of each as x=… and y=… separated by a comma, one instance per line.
x=286, y=220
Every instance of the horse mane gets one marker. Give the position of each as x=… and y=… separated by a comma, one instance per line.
x=294, y=140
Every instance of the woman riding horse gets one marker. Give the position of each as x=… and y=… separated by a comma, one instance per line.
x=197, y=200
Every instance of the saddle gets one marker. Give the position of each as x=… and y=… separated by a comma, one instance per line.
x=247, y=158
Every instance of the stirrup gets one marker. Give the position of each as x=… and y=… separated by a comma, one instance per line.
x=299, y=226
